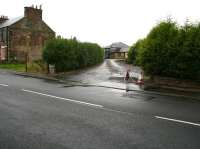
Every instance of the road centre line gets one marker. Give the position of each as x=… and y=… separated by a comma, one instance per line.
x=178, y=121
x=3, y=85
x=117, y=111
x=107, y=109
x=61, y=98
x=79, y=102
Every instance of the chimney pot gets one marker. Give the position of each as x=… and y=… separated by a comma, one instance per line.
x=3, y=18
x=33, y=13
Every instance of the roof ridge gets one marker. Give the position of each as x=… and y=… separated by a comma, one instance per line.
x=11, y=21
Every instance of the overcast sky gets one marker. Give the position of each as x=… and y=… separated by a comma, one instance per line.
x=106, y=21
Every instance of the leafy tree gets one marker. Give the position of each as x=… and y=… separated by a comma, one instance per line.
x=134, y=51
x=69, y=54
x=188, y=59
x=159, y=48
x=170, y=50
x=131, y=55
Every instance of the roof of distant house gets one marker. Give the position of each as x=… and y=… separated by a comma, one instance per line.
x=119, y=44
x=11, y=22
x=118, y=47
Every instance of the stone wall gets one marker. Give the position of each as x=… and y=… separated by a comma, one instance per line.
x=24, y=42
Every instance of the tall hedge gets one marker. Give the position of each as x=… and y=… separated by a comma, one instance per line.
x=70, y=54
x=133, y=52
x=171, y=50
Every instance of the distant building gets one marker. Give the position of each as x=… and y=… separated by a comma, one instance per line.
x=24, y=36
x=117, y=50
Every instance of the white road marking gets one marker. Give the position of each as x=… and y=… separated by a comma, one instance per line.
x=3, y=85
x=67, y=99
x=118, y=91
x=117, y=111
x=179, y=121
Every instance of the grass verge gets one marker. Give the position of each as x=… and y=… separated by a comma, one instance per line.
x=13, y=66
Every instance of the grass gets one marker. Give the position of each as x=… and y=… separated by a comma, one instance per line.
x=37, y=67
x=13, y=66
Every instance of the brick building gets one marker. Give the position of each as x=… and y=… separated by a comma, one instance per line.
x=24, y=36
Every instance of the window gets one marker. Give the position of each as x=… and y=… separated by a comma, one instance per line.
x=4, y=37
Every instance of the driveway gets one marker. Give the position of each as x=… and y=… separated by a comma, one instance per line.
x=110, y=73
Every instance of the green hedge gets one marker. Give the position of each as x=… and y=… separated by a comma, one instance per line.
x=171, y=50
x=132, y=52
x=70, y=54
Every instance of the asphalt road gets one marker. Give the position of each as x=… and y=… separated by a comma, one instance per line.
x=41, y=114
x=110, y=73
x=109, y=70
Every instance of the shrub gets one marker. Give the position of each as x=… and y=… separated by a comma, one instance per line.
x=70, y=54
x=171, y=50
x=133, y=52
x=37, y=66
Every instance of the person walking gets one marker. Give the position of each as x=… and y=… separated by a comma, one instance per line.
x=127, y=75
x=126, y=79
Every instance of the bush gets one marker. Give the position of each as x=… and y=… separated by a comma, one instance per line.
x=133, y=52
x=131, y=55
x=170, y=50
x=37, y=66
x=70, y=54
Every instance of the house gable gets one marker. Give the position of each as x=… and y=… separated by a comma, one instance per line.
x=26, y=34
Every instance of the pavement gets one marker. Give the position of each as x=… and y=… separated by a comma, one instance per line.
x=48, y=114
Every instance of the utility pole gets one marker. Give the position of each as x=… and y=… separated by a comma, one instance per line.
x=27, y=51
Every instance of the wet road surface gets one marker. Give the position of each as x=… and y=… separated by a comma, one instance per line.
x=37, y=113
x=110, y=73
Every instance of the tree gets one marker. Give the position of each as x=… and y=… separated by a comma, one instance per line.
x=70, y=54
x=170, y=50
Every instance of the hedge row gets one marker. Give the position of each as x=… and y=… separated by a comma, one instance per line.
x=70, y=54
x=170, y=50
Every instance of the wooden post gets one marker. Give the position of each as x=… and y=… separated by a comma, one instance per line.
x=27, y=51
x=26, y=61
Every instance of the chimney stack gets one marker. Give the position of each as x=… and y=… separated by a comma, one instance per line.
x=3, y=19
x=33, y=13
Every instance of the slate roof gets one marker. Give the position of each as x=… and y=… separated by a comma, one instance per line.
x=117, y=47
x=11, y=22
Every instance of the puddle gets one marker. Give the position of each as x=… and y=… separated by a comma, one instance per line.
x=138, y=96
x=118, y=91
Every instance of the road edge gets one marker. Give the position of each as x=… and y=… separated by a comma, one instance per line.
x=52, y=78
